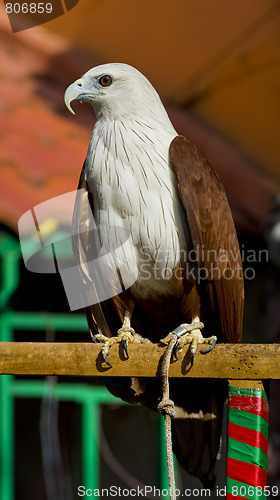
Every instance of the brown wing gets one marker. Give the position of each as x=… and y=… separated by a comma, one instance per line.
x=212, y=232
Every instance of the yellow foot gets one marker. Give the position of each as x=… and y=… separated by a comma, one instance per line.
x=125, y=334
x=190, y=334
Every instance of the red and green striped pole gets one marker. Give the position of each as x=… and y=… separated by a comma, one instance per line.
x=247, y=440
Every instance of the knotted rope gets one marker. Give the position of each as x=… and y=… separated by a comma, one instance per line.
x=166, y=407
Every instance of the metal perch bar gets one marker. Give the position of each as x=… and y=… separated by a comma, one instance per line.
x=228, y=361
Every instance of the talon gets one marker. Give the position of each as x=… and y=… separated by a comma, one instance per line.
x=175, y=350
x=124, y=342
x=212, y=345
x=192, y=359
x=190, y=334
x=106, y=360
x=125, y=335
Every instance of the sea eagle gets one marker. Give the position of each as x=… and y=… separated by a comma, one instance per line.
x=141, y=176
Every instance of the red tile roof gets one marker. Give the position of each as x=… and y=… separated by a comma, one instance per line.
x=41, y=151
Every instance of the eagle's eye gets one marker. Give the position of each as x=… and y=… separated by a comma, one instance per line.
x=105, y=80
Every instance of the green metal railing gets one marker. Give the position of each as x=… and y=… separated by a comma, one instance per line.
x=90, y=398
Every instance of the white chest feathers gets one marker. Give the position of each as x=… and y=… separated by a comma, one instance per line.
x=134, y=188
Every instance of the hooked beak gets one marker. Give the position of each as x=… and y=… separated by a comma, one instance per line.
x=77, y=92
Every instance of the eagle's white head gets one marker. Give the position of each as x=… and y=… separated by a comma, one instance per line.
x=115, y=91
